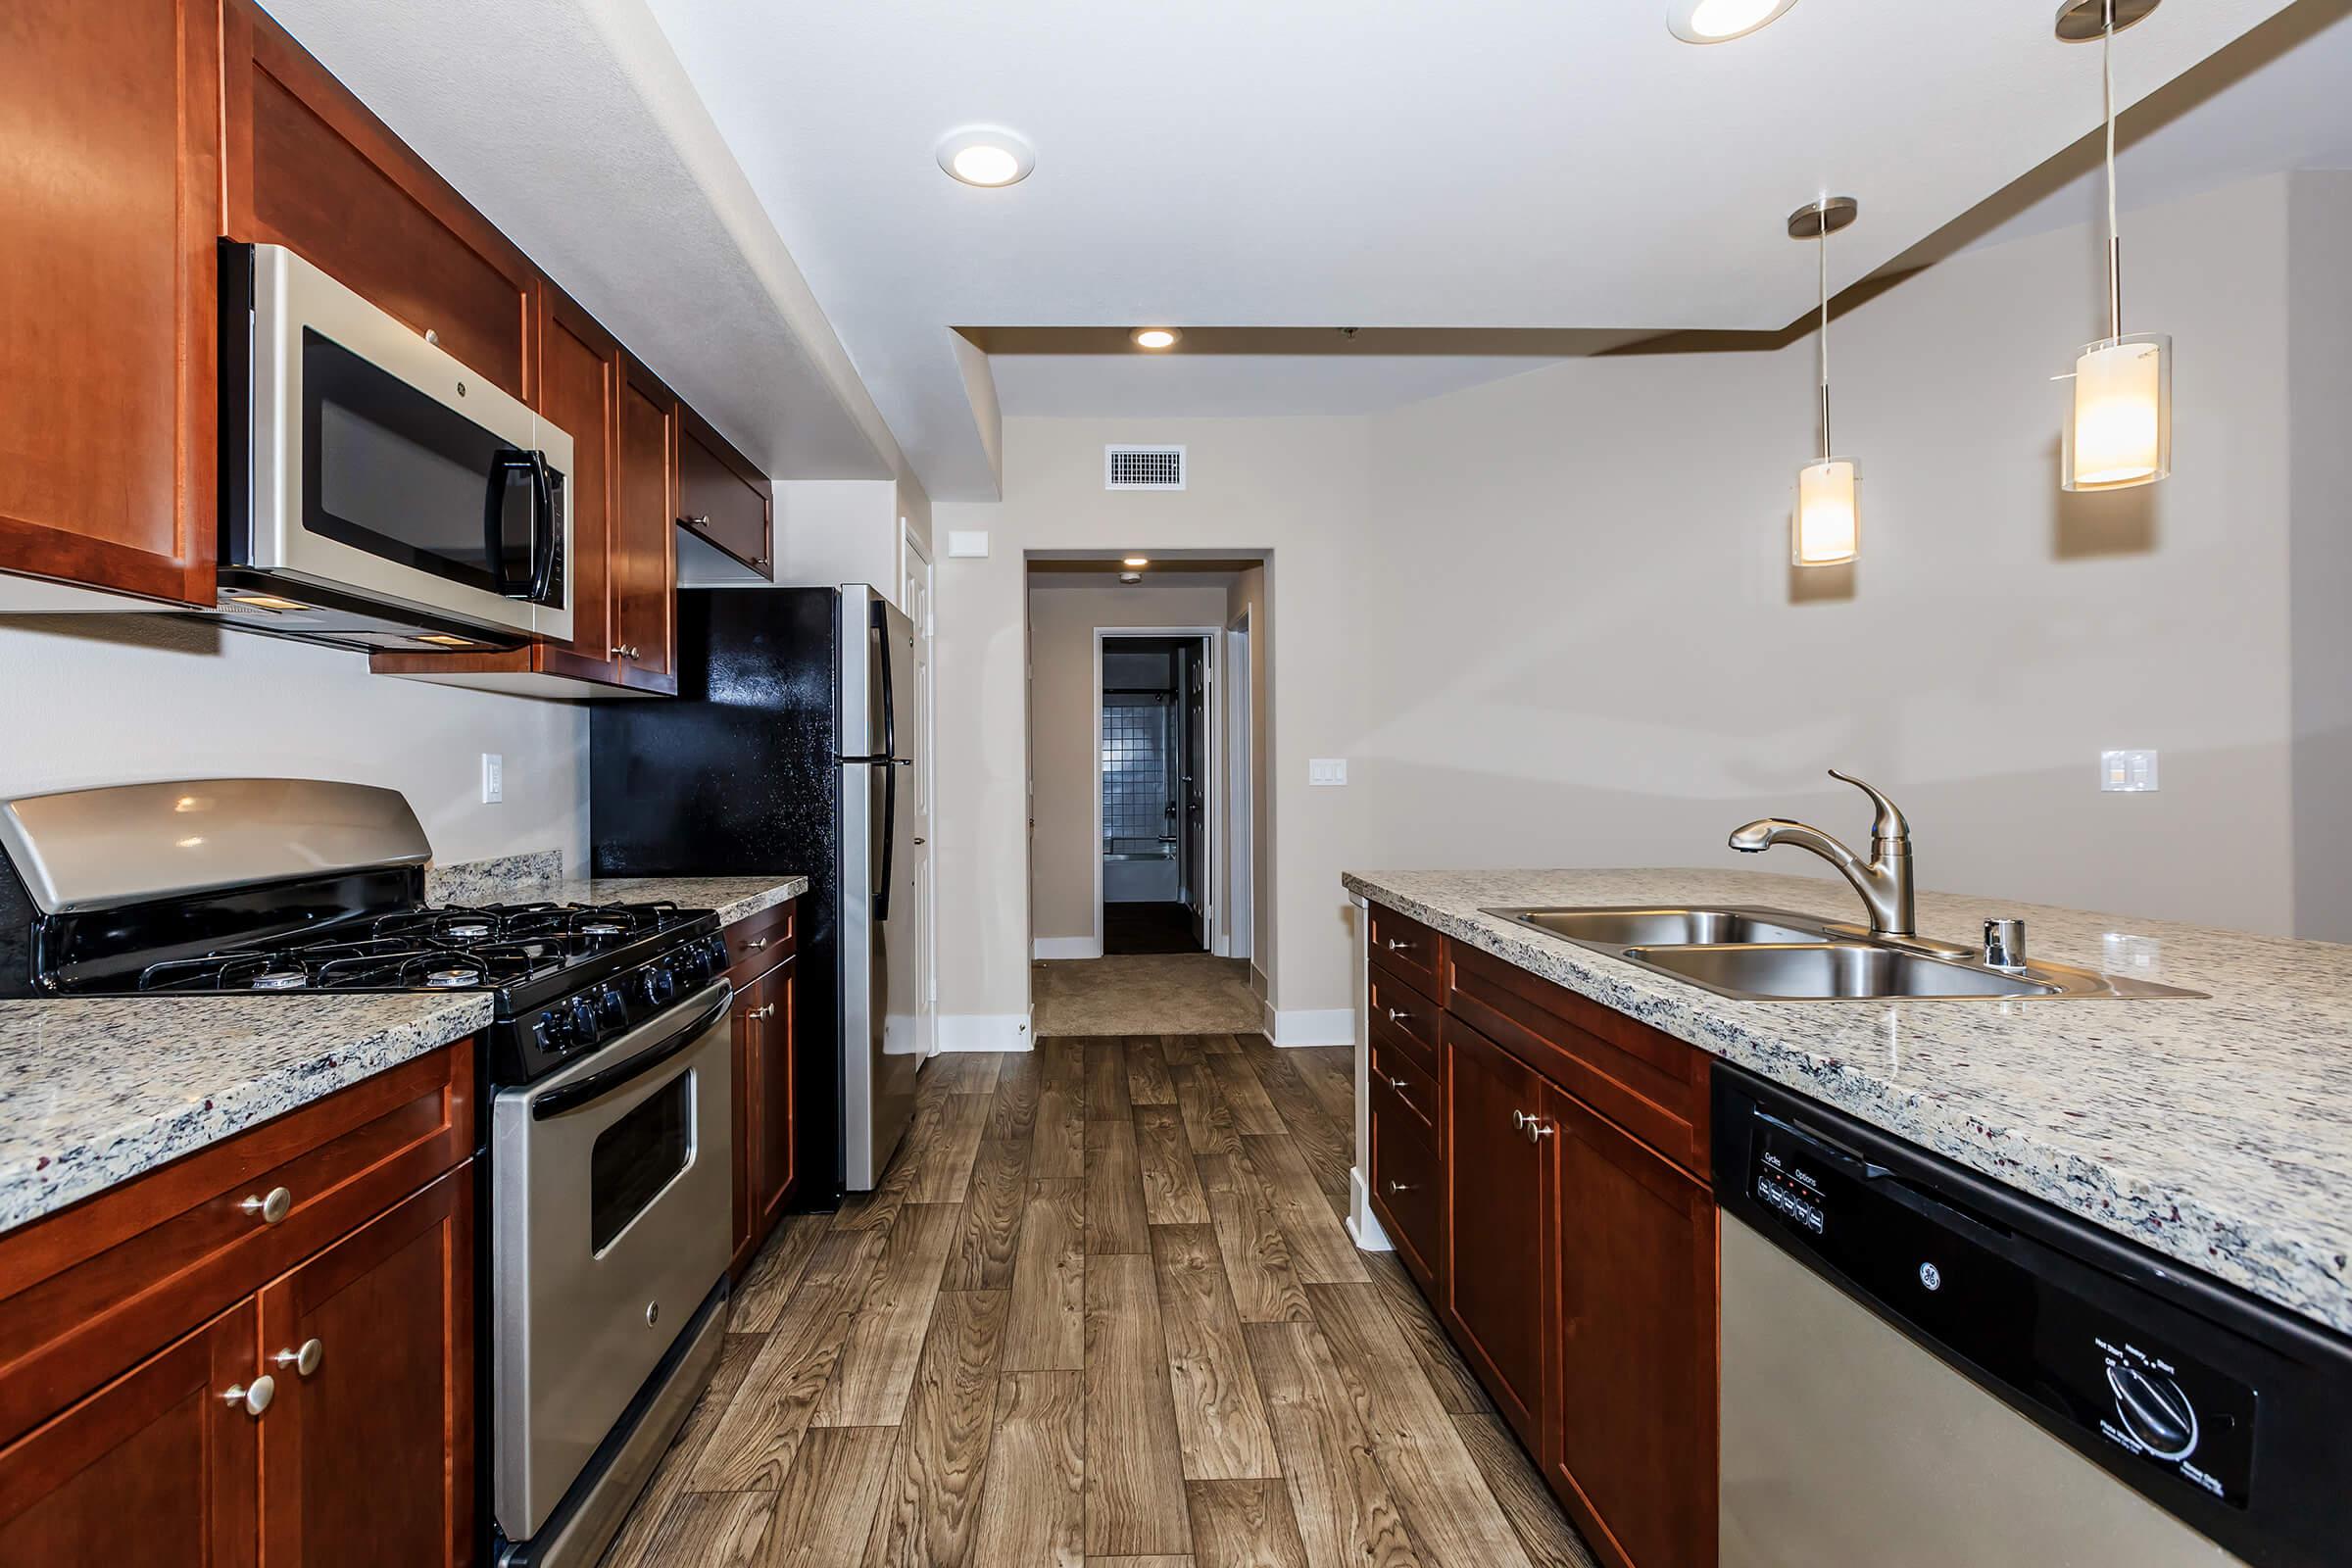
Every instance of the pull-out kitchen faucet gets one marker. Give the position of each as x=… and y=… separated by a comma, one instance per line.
x=1884, y=880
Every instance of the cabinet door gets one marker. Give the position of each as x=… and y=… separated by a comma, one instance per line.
x=110, y=177
x=579, y=389
x=156, y=1468
x=645, y=549
x=744, y=1026
x=309, y=167
x=1498, y=1199
x=1633, y=1432
x=368, y=1456
x=721, y=496
x=772, y=1163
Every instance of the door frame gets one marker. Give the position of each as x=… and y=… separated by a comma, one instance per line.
x=1213, y=826
x=1239, y=937
x=912, y=552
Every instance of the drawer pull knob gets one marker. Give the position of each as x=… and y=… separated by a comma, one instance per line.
x=756, y=943
x=765, y=1010
x=1532, y=1128
x=1393, y=1187
x=254, y=1396
x=1396, y=946
x=305, y=1360
x=1396, y=1017
x=701, y=520
x=1397, y=1084
x=271, y=1209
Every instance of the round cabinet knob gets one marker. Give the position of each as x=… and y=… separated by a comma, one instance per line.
x=1395, y=1187
x=254, y=1396
x=304, y=1361
x=2153, y=1408
x=271, y=1206
x=1396, y=1017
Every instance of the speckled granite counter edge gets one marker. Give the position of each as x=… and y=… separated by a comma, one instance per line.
x=744, y=909
x=2203, y=1233
x=41, y=1184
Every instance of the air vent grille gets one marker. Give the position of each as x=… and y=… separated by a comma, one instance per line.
x=1143, y=468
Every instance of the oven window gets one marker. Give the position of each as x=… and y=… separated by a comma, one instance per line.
x=401, y=475
x=637, y=1156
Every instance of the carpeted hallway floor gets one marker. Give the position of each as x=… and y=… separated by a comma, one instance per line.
x=1146, y=994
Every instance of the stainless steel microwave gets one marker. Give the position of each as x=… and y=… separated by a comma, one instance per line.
x=375, y=491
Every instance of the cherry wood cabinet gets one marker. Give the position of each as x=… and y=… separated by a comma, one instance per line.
x=309, y=167
x=722, y=497
x=645, y=548
x=109, y=183
x=155, y=1467
x=765, y=968
x=128, y=1320
x=1573, y=1257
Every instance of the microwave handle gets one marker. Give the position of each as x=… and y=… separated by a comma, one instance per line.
x=502, y=467
x=546, y=540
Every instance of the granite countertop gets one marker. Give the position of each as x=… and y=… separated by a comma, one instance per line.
x=2218, y=1132
x=96, y=1091
x=515, y=879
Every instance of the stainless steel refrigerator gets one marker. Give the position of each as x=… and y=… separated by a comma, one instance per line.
x=791, y=748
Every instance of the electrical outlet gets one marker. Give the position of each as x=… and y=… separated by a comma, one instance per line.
x=494, y=778
x=2129, y=772
x=1327, y=770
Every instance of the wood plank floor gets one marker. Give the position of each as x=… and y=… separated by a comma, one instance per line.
x=1101, y=1311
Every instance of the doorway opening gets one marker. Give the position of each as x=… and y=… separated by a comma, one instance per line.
x=1155, y=764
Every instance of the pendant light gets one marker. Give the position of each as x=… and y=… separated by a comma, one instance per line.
x=2119, y=428
x=1826, y=529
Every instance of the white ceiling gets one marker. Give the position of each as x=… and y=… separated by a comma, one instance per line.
x=1516, y=164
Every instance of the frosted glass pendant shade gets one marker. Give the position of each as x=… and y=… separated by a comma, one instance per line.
x=1826, y=529
x=2118, y=432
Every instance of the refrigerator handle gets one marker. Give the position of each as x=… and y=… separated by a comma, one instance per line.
x=890, y=835
x=880, y=618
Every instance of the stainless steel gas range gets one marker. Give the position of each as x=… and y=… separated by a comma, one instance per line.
x=607, y=1074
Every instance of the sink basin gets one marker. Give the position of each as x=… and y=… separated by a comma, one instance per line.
x=1825, y=970
x=1663, y=928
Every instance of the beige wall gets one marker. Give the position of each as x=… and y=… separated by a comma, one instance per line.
x=88, y=699
x=2320, y=550
x=1065, y=609
x=1549, y=620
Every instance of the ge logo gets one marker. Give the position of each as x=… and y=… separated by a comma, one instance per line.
x=1930, y=1276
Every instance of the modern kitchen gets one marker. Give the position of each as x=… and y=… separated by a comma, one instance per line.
x=1309, y=787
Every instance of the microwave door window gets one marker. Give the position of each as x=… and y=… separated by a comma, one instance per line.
x=397, y=473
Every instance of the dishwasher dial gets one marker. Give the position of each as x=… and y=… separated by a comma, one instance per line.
x=2154, y=1411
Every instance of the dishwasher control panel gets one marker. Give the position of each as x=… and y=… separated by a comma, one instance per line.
x=1994, y=1301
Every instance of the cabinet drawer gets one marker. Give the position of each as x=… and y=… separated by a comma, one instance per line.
x=1406, y=1191
x=1648, y=1081
x=721, y=496
x=760, y=941
x=90, y=1290
x=1405, y=1082
x=1404, y=1014
x=1406, y=949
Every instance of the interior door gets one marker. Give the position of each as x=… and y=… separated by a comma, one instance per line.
x=916, y=600
x=1192, y=784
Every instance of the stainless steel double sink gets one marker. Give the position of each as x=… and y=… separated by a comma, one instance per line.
x=1761, y=955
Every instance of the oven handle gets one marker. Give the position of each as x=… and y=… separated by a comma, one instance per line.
x=597, y=1085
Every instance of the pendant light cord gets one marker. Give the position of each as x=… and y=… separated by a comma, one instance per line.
x=1822, y=252
x=2115, y=240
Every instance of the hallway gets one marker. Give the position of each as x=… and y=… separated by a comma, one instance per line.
x=1101, y=1311
x=1144, y=994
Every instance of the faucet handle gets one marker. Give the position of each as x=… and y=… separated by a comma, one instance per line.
x=1891, y=822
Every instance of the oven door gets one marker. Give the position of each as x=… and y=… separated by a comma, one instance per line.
x=382, y=467
x=609, y=1223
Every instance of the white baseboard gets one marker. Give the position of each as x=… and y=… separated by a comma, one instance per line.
x=1362, y=1224
x=1312, y=1026
x=983, y=1031
x=1067, y=947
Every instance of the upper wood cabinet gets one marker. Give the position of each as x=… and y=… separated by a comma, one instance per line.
x=645, y=534
x=110, y=185
x=722, y=497
x=309, y=167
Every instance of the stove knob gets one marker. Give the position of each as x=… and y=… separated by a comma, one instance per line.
x=2153, y=1408
x=551, y=1029
x=611, y=1011
x=583, y=1019
x=660, y=984
x=717, y=947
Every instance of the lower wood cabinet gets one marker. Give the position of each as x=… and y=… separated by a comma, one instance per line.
x=1573, y=1257
x=315, y=1401
x=766, y=1128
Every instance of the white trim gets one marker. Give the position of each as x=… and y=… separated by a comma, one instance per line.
x=1213, y=827
x=910, y=550
x=983, y=1031
x=1240, y=872
x=1312, y=1026
x=1067, y=947
x=1363, y=1226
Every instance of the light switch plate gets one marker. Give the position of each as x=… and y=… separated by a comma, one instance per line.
x=1327, y=770
x=2127, y=772
x=494, y=778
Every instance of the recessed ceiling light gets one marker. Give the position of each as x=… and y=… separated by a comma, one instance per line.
x=1719, y=21
x=1155, y=337
x=1131, y=577
x=986, y=155
x=1137, y=561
